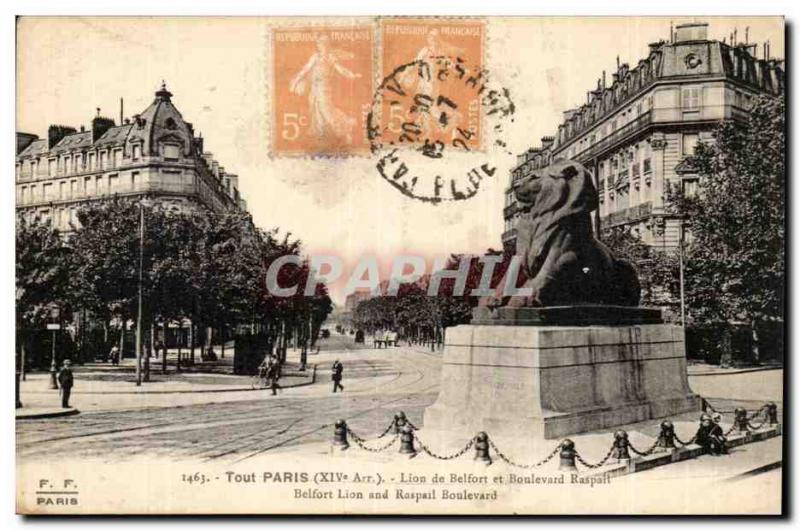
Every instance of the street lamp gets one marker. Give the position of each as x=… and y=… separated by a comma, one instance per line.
x=54, y=327
x=142, y=204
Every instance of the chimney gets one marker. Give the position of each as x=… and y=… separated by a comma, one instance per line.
x=696, y=31
x=121, y=111
x=56, y=132
x=99, y=126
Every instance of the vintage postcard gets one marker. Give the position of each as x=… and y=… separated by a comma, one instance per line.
x=451, y=265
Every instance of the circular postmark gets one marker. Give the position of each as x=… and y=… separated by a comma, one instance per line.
x=432, y=126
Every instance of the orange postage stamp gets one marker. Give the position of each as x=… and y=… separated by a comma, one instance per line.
x=322, y=87
x=428, y=42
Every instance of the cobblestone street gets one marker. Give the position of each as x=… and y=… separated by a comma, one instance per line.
x=239, y=425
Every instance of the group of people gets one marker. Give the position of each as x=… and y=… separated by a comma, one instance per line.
x=710, y=435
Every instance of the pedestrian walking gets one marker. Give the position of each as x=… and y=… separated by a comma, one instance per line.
x=65, y=382
x=273, y=374
x=114, y=355
x=336, y=375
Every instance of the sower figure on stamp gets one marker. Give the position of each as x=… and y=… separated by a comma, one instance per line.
x=710, y=436
x=326, y=118
x=336, y=375
x=65, y=382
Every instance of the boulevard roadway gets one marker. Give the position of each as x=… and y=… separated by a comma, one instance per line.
x=235, y=426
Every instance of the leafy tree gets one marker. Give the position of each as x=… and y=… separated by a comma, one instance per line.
x=658, y=271
x=42, y=275
x=736, y=260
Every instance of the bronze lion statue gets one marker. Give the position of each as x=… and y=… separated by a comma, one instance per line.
x=561, y=260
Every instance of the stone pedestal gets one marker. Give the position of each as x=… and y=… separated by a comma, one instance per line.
x=546, y=381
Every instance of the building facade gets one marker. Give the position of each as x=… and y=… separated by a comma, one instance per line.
x=638, y=134
x=154, y=154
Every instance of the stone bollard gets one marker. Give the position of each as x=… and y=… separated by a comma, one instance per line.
x=567, y=456
x=399, y=422
x=666, y=438
x=772, y=413
x=407, y=442
x=340, y=435
x=482, y=448
x=740, y=419
x=621, y=446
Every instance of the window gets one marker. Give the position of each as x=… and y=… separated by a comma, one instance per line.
x=92, y=159
x=98, y=185
x=690, y=187
x=51, y=167
x=171, y=151
x=33, y=193
x=87, y=185
x=73, y=188
x=78, y=163
x=134, y=179
x=112, y=183
x=23, y=194
x=137, y=152
x=62, y=190
x=47, y=191
x=103, y=158
x=689, y=143
x=691, y=98
x=117, y=160
x=646, y=168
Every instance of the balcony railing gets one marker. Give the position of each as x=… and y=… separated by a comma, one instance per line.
x=619, y=135
x=509, y=235
x=509, y=210
x=629, y=215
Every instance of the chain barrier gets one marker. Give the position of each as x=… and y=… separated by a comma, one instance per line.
x=510, y=462
x=361, y=442
x=755, y=415
x=765, y=414
x=440, y=457
x=691, y=440
x=384, y=433
x=601, y=463
x=647, y=452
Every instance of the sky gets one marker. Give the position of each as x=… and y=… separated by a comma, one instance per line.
x=219, y=71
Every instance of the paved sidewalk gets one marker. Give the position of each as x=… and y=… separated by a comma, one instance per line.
x=40, y=413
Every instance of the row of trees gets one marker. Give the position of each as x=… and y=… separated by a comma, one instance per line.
x=204, y=267
x=422, y=318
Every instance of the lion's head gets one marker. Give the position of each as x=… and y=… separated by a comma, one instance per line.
x=552, y=195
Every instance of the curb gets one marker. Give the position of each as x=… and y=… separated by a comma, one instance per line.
x=202, y=391
x=47, y=414
x=735, y=372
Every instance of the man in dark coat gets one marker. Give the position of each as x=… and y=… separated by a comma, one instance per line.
x=336, y=375
x=710, y=436
x=65, y=382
